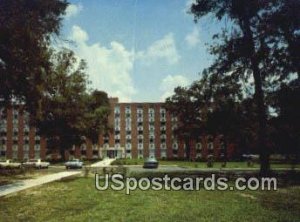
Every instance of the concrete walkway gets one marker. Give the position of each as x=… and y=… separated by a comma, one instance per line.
x=103, y=163
x=25, y=184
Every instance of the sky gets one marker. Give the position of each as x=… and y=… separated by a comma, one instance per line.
x=138, y=50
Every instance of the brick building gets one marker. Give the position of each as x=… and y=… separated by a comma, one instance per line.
x=146, y=129
x=138, y=130
x=17, y=139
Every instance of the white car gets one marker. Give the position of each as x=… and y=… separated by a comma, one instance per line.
x=37, y=163
x=9, y=163
x=74, y=164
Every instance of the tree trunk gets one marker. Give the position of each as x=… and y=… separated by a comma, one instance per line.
x=187, y=148
x=62, y=150
x=262, y=121
x=259, y=96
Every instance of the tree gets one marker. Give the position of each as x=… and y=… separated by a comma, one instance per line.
x=69, y=113
x=63, y=102
x=245, y=50
x=26, y=28
x=182, y=106
x=214, y=105
x=286, y=126
x=96, y=116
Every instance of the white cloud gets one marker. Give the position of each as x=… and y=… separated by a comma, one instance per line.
x=193, y=38
x=109, y=68
x=72, y=10
x=169, y=83
x=164, y=48
x=79, y=35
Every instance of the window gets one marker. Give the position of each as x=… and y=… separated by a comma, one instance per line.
x=140, y=146
x=151, y=146
x=117, y=110
x=140, y=137
x=26, y=147
x=163, y=145
x=198, y=146
x=128, y=145
x=127, y=110
x=151, y=153
x=163, y=153
x=175, y=146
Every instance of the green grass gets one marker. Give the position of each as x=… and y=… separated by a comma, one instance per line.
x=196, y=164
x=77, y=200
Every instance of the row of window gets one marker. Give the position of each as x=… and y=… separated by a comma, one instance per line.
x=139, y=109
x=163, y=145
x=16, y=147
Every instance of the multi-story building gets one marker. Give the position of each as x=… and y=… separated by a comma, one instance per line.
x=138, y=130
x=17, y=139
x=147, y=129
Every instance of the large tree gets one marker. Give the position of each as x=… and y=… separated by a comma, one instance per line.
x=26, y=28
x=244, y=49
x=69, y=112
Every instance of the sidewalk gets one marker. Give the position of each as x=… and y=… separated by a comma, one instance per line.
x=103, y=163
x=25, y=184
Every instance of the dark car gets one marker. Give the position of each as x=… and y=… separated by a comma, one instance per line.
x=150, y=163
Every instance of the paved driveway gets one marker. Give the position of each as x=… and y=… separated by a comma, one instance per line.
x=25, y=184
x=103, y=163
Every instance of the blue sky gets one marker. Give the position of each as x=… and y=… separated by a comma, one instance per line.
x=138, y=50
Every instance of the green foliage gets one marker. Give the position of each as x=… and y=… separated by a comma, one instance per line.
x=262, y=42
x=26, y=27
x=69, y=113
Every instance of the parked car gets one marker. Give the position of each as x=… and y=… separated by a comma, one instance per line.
x=74, y=164
x=150, y=163
x=9, y=163
x=37, y=163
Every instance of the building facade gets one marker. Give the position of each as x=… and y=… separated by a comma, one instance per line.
x=139, y=130
x=17, y=139
x=147, y=130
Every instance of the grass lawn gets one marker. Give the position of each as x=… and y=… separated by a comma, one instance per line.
x=190, y=164
x=77, y=200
